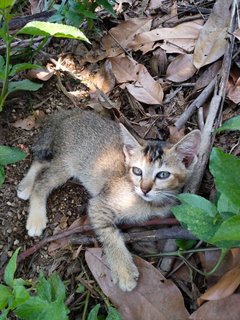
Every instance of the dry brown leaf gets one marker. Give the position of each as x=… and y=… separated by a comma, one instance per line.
x=26, y=124
x=144, y=88
x=154, y=298
x=233, y=88
x=60, y=243
x=237, y=33
x=44, y=73
x=178, y=45
x=155, y=4
x=181, y=68
x=119, y=37
x=224, y=309
x=224, y=287
x=212, y=40
x=32, y=121
x=187, y=30
x=208, y=75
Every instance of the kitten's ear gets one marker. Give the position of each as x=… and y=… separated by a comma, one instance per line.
x=187, y=148
x=130, y=144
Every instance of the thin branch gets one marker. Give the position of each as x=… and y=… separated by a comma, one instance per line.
x=197, y=103
x=215, y=109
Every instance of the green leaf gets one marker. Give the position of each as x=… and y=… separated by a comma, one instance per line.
x=2, y=175
x=3, y=315
x=198, y=221
x=80, y=288
x=185, y=244
x=38, y=309
x=106, y=5
x=5, y=295
x=226, y=168
x=40, y=28
x=199, y=202
x=231, y=124
x=94, y=312
x=228, y=234
x=31, y=309
x=57, y=287
x=10, y=155
x=10, y=269
x=6, y=3
x=224, y=205
x=113, y=314
x=21, y=67
x=43, y=288
x=21, y=295
x=55, y=311
x=25, y=85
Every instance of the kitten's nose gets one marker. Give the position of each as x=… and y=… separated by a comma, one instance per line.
x=145, y=189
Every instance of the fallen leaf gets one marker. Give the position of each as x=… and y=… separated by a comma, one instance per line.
x=181, y=68
x=233, y=89
x=144, y=88
x=236, y=33
x=224, y=309
x=208, y=75
x=187, y=30
x=155, y=4
x=212, y=40
x=119, y=37
x=44, y=73
x=154, y=298
x=158, y=62
x=61, y=243
x=32, y=121
x=178, y=45
x=224, y=287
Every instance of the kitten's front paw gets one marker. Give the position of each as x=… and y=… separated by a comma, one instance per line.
x=36, y=224
x=126, y=275
x=24, y=190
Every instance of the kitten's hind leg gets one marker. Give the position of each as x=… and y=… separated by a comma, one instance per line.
x=25, y=187
x=48, y=180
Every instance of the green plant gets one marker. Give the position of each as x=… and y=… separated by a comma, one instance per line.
x=216, y=223
x=9, y=155
x=113, y=314
x=75, y=12
x=42, y=300
x=36, y=28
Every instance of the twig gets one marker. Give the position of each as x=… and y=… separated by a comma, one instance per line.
x=64, y=91
x=215, y=109
x=88, y=240
x=19, y=22
x=197, y=103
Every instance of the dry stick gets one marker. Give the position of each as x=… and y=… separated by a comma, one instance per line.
x=88, y=228
x=149, y=235
x=197, y=103
x=215, y=109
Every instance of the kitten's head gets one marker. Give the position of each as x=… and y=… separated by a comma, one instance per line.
x=158, y=170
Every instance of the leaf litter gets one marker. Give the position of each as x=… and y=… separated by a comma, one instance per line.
x=118, y=70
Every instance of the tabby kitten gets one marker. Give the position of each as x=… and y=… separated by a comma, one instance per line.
x=127, y=181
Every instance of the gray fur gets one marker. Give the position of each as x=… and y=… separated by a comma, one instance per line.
x=100, y=153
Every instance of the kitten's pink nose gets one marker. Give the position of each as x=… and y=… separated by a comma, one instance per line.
x=145, y=189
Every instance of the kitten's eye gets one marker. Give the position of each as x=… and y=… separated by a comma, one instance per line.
x=137, y=171
x=163, y=175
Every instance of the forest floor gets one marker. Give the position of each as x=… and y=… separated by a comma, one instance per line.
x=95, y=77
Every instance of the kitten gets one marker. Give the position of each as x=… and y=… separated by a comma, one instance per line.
x=127, y=181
